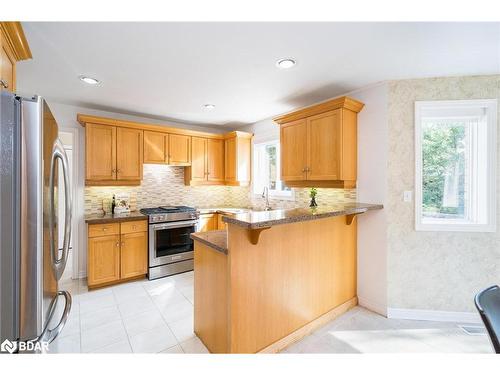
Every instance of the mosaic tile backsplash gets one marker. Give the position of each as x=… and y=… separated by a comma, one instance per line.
x=164, y=185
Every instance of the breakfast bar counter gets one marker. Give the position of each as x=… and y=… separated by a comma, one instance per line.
x=274, y=276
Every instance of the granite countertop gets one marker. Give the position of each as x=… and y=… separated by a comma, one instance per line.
x=216, y=239
x=114, y=218
x=223, y=210
x=260, y=219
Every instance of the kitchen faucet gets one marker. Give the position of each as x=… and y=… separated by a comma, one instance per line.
x=265, y=194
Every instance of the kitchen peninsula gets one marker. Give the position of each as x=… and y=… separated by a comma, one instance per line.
x=274, y=276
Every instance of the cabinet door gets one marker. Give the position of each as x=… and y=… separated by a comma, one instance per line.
x=207, y=222
x=230, y=160
x=155, y=148
x=100, y=152
x=293, y=140
x=7, y=66
x=128, y=154
x=220, y=224
x=134, y=254
x=199, y=159
x=215, y=160
x=179, y=149
x=324, y=146
x=103, y=263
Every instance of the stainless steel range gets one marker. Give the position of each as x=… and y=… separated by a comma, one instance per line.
x=170, y=243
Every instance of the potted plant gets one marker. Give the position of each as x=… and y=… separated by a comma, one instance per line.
x=312, y=193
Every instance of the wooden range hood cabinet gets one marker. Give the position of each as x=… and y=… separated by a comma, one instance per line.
x=319, y=144
x=117, y=149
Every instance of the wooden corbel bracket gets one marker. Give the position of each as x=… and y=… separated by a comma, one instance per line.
x=254, y=234
x=349, y=218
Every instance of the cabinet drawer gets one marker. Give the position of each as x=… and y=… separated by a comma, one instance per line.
x=97, y=230
x=134, y=226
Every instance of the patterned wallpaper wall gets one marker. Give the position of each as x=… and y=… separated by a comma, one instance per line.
x=432, y=270
x=164, y=185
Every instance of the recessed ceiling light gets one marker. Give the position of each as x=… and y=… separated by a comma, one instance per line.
x=285, y=63
x=89, y=80
x=208, y=106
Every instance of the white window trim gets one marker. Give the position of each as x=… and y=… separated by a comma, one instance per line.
x=458, y=226
x=273, y=194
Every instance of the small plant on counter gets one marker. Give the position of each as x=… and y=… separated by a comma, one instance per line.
x=312, y=193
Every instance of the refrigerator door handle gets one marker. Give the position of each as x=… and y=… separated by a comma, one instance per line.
x=58, y=264
x=50, y=335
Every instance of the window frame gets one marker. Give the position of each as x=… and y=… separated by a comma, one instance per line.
x=489, y=225
x=273, y=194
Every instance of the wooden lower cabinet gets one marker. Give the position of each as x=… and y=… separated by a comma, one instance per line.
x=123, y=255
x=134, y=254
x=103, y=259
x=207, y=222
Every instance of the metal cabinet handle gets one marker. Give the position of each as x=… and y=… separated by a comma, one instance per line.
x=4, y=83
x=117, y=244
x=58, y=264
x=304, y=169
x=123, y=243
x=104, y=229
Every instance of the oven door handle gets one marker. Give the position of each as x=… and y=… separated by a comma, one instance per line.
x=177, y=224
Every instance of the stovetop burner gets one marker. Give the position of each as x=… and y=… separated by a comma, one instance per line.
x=169, y=213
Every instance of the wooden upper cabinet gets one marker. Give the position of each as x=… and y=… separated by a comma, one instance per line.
x=128, y=154
x=100, y=150
x=198, y=169
x=13, y=48
x=324, y=138
x=155, y=148
x=207, y=162
x=179, y=149
x=293, y=138
x=215, y=160
x=319, y=144
x=238, y=156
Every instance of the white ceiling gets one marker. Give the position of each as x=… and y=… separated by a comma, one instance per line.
x=169, y=70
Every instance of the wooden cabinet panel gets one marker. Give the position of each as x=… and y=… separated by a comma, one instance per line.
x=99, y=230
x=238, y=156
x=230, y=160
x=215, y=160
x=155, y=148
x=7, y=66
x=198, y=159
x=324, y=146
x=293, y=140
x=128, y=154
x=179, y=149
x=220, y=224
x=207, y=222
x=100, y=152
x=134, y=226
x=134, y=253
x=103, y=259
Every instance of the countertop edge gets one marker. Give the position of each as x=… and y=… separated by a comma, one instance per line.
x=114, y=219
x=204, y=238
x=304, y=217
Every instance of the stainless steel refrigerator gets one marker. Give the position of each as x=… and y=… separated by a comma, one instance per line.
x=31, y=262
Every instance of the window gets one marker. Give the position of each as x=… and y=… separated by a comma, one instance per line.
x=266, y=171
x=455, y=154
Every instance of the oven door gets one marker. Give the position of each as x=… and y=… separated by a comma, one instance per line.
x=170, y=242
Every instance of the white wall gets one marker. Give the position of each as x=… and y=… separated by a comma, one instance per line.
x=372, y=188
x=65, y=116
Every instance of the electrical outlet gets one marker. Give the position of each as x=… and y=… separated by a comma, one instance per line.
x=407, y=196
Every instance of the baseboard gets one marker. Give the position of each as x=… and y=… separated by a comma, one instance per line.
x=309, y=327
x=372, y=306
x=433, y=315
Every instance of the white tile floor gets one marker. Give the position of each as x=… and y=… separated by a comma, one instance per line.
x=157, y=317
